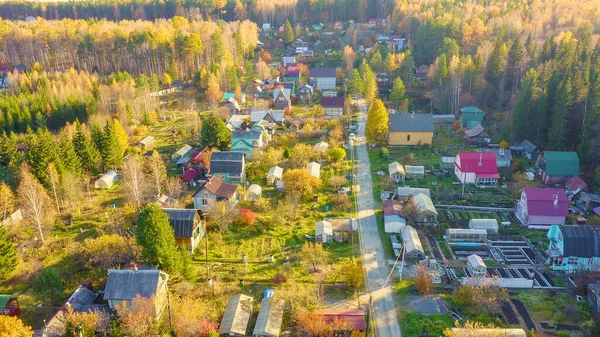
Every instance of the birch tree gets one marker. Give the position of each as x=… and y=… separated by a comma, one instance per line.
x=156, y=171
x=35, y=202
x=54, y=179
x=134, y=181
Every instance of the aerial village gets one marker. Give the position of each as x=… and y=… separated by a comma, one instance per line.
x=322, y=195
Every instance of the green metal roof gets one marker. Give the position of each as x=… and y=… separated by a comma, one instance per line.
x=472, y=113
x=561, y=163
x=4, y=299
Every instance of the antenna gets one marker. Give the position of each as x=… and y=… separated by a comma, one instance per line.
x=555, y=199
x=480, y=159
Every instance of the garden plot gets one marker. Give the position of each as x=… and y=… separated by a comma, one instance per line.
x=540, y=280
x=512, y=252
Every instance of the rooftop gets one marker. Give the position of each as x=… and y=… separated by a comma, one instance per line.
x=127, y=284
x=561, y=163
x=354, y=318
x=411, y=240
x=475, y=261
x=477, y=162
x=237, y=315
x=575, y=183
x=546, y=201
x=182, y=220
x=217, y=187
x=227, y=162
x=323, y=72
x=411, y=122
x=581, y=240
x=332, y=102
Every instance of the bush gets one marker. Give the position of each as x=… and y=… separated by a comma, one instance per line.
x=279, y=278
x=341, y=202
x=247, y=217
x=49, y=286
x=384, y=153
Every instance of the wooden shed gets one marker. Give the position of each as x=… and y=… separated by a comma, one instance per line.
x=396, y=172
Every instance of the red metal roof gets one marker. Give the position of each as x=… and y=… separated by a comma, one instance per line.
x=354, y=318
x=477, y=162
x=541, y=201
x=575, y=183
x=189, y=175
x=217, y=187
x=391, y=207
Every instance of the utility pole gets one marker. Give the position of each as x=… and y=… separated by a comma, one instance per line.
x=206, y=244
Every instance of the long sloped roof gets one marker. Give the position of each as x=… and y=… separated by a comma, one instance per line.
x=182, y=221
x=269, y=317
x=405, y=122
x=127, y=284
x=237, y=315
x=581, y=241
x=411, y=240
x=424, y=203
x=227, y=162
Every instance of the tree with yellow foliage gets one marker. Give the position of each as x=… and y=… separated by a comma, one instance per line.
x=14, y=327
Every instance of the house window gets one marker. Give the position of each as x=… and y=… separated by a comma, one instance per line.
x=408, y=138
x=572, y=260
x=204, y=202
x=235, y=179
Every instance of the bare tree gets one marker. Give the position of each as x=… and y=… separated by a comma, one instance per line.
x=6, y=200
x=34, y=201
x=72, y=190
x=173, y=187
x=222, y=214
x=134, y=181
x=157, y=172
x=54, y=183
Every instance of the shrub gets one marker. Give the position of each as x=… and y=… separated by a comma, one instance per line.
x=279, y=278
x=247, y=217
x=341, y=202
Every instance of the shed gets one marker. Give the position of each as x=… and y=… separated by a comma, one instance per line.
x=9, y=305
x=320, y=147
x=323, y=231
x=355, y=319
x=254, y=192
x=396, y=171
x=405, y=191
x=275, y=174
x=123, y=286
x=490, y=225
x=236, y=317
x=270, y=317
x=447, y=163
x=476, y=265
x=416, y=172
x=393, y=223
x=314, y=169
x=146, y=142
x=412, y=244
x=181, y=153
x=107, y=180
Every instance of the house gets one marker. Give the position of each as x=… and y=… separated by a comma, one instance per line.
x=354, y=319
x=274, y=175
x=323, y=78
x=404, y=192
x=237, y=316
x=324, y=232
x=413, y=250
x=476, y=266
x=228, y=166
x=392, y=219
x=181, y=153
x=466, y=236
x=188, y=226
x=236, y=122
x=282, y=98
x=233, y=105
x=530, y=151
x=314, y=169
x=477, y=168
x=593, y=297
x=470, y=116
x=146, y=142
x=414, y=172
x=556, y=167
x=275, y=117
x=333, y=107
x=291, y=75
x=587, y=201
x=211, y=191
x=246, y=142
x=574, y=248
x=476, y=135
x=190, y=176
x=539, y=208
x=106, y=180
x=320, y=147
x=503, y=156
x=487, y=332
x=200, y=161
x=9, y=305
x=398, y=43
x=254, y=192
x=574, y=185
x=285, y=60
x=125, y=285
x=396, y=172
x=410, y=129
x=427, y=213
x=305, y=94
x=266, y=27
x=270, y=318
x=490, y=225
x=231, y=95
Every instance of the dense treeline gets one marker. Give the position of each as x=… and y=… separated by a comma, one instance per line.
x=177, y=46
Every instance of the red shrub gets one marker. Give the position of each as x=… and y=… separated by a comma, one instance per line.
x=247, y=217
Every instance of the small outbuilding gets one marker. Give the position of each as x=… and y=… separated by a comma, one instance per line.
x=314, y=169
x=147, y=142
x=393, y=223
x=323, y=232
x=274, y=175
x=270, y=317
x=181, y=153
x=236, y=317
x=320, y=147
x=396, y=171
x=476, y=266
x=414, y=172
x=490, y=225
x=254, y=192
x=413, y=249
x=107, y=180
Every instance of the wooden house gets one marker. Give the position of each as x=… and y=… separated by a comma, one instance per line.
x=123, y=286
x=188, y=225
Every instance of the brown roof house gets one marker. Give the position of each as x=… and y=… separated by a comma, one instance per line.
x=213, y=190
x=125, y=285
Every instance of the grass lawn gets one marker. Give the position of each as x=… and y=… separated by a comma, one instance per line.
x=417, y=325
x=547, y=305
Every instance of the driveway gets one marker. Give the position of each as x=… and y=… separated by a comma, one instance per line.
x=376, y=265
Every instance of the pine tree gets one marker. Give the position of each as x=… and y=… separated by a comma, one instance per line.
x=398, y=93
x=215, y=133
x=44, y=151
x=155, y=235
x=8, y=254
x=557, y=135
x=288, y=33
x=112, y=153
x=89, y=155
x=377, y=123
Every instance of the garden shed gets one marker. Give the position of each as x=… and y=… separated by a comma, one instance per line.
x=320, y=147
x=181, y=153
x=270, y=317
x=414, y=172
x=275, y=174
x=393, y=223
x=475, y=265
x=396, y=171
x=490, y=225
x=236, y=317
x=314, y=169
x=447, y=163
x=107, y=180
x=323, y=232
x=254, y=192
x=412, y=244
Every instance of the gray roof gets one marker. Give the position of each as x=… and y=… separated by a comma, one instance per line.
x=270, y=317
x=227, y=162
x=323, y=72
x=237, y=315
x=501, y=154
x=411, y=240
x=424, y=203
x=182, y=221
x=580, y=241
x=127, y=284
x=411, y=122
x=475, y=261
x=528, y=146
x=323, y=228
x=246, y=134
x=407, y=190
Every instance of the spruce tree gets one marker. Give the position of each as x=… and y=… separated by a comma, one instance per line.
x=495, y=65
x=70, y=159
x=557, y=135
x=155, y=235
x=89, y=155
x=215, y=133
x=525, y=106
x=398, y=93
x=112, y=153
x=513, y=64
x=97, y=135
x=288, y=33
x=8, y=254
x=44, y=151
